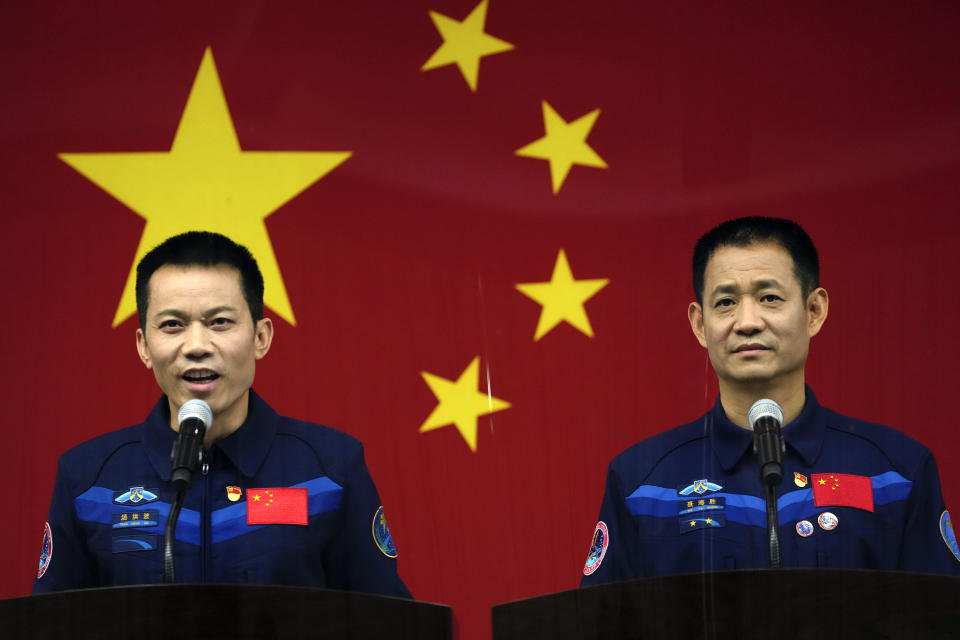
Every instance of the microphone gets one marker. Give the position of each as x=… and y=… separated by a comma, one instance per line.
x=194, y=418
x=765, y=417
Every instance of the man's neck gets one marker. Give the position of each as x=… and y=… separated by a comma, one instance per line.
x=224, y=423
x=737, y=398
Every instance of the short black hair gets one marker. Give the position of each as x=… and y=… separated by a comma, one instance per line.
x=742, y=232
x=204, y=249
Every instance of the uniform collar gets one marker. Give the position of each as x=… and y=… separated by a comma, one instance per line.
x=804, y=434
x=246, y=448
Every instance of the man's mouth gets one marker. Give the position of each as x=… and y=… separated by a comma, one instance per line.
x=200, y=376
x=750, y=348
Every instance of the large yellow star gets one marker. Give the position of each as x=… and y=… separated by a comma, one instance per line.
x=564, y=145
x=460, y=404
x=562, y=298
x=207, y=183
x=464, y=43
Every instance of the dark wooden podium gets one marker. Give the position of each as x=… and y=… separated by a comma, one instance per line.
x=784, y=604
x=234, y=612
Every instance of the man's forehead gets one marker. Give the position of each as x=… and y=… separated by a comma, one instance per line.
x=220, y=285
x=758, y=263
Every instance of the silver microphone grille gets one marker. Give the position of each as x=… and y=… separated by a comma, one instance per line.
x=195, y=409
x=764, y=408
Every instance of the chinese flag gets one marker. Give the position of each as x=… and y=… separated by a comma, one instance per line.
x=475, y=221
x=277, y=505
x=842, y=490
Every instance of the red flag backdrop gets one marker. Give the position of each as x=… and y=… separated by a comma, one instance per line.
x=401, y=264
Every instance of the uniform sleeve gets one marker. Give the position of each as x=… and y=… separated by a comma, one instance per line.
x=613, y=539
x=364, y=557
x=65, y=562
x=929, y=542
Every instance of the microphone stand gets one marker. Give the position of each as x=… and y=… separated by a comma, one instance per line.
x=168, y=536
x=773, y=526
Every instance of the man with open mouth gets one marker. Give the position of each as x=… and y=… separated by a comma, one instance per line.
x=274, y=500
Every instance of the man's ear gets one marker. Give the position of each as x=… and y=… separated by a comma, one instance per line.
x=263, y=337
x=143, y=350
x=695, y=315
x=818, y=303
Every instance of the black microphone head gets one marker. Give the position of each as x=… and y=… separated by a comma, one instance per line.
x=197, y=409
x=765, y=408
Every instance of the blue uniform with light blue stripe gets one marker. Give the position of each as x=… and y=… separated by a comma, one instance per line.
x=658, y=524
x=112, y=496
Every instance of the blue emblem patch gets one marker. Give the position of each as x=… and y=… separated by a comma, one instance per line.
x=598, y=548
x=46, y=550
x=949, y=537
x=702, y=521
x=697, y=505
x=700, y=487
x=135, y=519
x=381, y=534
x=135, y=542
x=136, y=495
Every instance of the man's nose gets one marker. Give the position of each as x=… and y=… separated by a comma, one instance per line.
x=749, y=319
x=196, y=341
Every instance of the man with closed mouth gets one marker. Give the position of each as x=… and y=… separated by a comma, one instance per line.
x=853, y=494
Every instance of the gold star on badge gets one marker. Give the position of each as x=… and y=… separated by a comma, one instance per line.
x=460, y=404
x=464, y=43
x=562, y=298
x=709, y=520
x=564, y=145
x=256, y=497
x=207, y=183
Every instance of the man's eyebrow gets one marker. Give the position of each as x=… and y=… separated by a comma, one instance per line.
x=221, y=309
x=766, y=283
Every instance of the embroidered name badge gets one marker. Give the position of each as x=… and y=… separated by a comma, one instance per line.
x=699, y=487
x=702, y=521
x=46, y=550
x=598, y=548
x=135, y=542
x=135, y=519
x=134, y=495
x=381, y=534
x=699, y=505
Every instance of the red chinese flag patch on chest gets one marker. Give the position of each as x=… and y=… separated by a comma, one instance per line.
x=277, y=505
x=842, y=490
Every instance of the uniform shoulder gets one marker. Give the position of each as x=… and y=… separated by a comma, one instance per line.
x=643, y=456
x=83, y=461
x=904, y=452
x=335, y=449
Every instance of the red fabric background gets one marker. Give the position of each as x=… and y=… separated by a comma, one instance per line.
x=405, y=258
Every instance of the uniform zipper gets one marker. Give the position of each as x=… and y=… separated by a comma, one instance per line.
x=204, y=515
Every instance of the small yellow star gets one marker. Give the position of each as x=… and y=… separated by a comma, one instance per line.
x=564, y=145
x=460, y=404
x=256, y=497
x=709, y=520
x=206, y=182
x=821, y=481
x=562, y=298
x=464, y=43
x=693, y=523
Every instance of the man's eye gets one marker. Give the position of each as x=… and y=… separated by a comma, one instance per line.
x=770, y=297
x=221, y=322
x=723, y=302
x=170, y=324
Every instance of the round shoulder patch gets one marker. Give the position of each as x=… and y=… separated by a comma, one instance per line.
x=381, y=534
x=46, y=550
x=598, y=548
x=949, y=537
